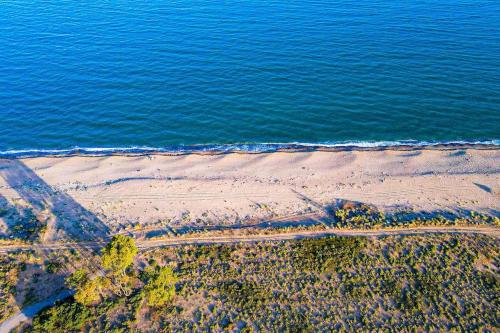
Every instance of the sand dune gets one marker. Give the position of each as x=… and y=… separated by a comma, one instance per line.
x=122, y=191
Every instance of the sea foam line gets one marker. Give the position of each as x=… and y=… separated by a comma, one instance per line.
x=246, y=147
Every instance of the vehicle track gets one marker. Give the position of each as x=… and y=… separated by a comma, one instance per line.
x=223, y=239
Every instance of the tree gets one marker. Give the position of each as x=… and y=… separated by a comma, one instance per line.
x=87, y=291
x=160, y=288
x=118, y=255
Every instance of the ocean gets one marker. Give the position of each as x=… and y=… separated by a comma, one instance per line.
x=255, y=74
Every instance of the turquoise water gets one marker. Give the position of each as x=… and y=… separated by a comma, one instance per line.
x=169, y=74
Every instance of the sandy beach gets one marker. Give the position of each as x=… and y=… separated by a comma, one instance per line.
x=120, y=192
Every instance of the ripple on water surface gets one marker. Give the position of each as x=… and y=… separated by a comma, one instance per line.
x=180, y=73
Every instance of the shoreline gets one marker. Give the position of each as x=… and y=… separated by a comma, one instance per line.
x=258, y=148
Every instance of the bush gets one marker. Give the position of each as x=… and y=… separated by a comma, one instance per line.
x=66, y=317
x=160, y=288
x=327, y=254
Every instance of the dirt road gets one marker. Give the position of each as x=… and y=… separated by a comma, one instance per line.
x=146, y=244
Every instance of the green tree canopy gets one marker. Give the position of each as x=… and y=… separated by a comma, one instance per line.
x=87, y=291
x=63, y=318
x=78, y=278
x=160, y=288
x=119, y=254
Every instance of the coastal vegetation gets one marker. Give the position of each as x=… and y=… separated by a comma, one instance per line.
x=404, y=283
x=22, y=224
x=354, y=215
x=9, y=270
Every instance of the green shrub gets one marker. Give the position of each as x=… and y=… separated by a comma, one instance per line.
x=66, y=317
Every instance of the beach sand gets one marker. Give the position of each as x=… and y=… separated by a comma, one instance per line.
x=228, y=189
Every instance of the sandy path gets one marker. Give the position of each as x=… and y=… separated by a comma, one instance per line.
x=174, y=241
x=108, y=194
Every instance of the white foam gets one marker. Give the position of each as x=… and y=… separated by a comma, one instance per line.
x=238, y=147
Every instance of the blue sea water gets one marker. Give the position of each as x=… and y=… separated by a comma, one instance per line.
x=180, y=73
